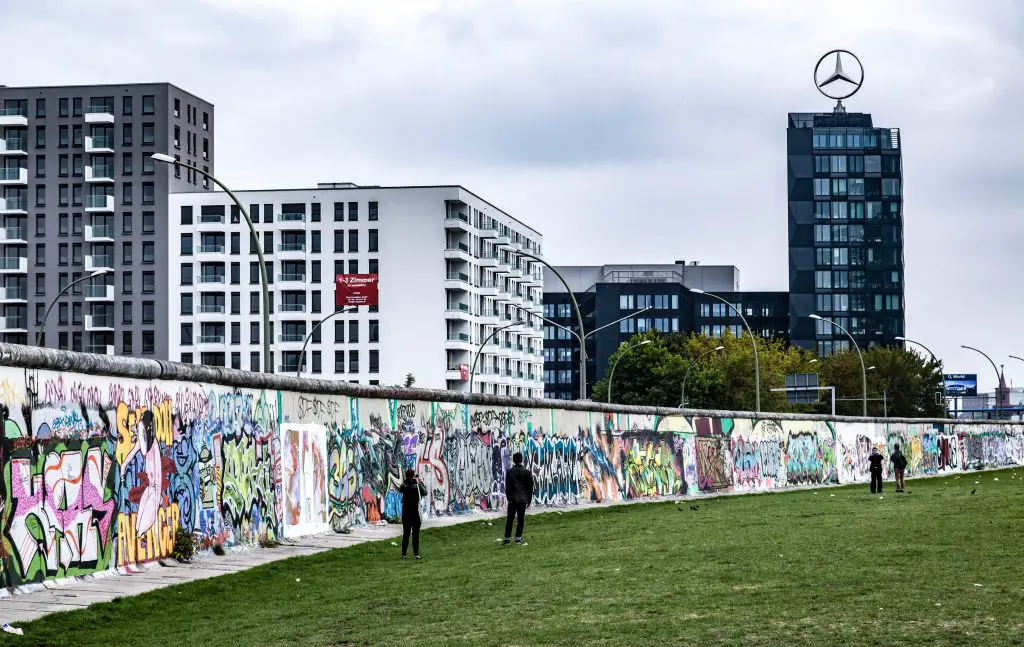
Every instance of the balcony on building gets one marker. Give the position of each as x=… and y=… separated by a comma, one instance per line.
x=456, y=217
x=99, y=322
x=13, y=146
x=14, y=205
x=95, y=262
x=211, y=244
x=15, y=323
x=293, y=216
x=212, y=215
x=455, y=280
x=99, y=144
x=99, y=203
x=457, y=251
x=100, y=349
x=99, y=232
x=13, y=235
x=13, y=177
x=99, y=114
x=99, y=173
x=291, y=277
x=211, y=338
x=17, y=117
x=457, y=310
x=292, y=336
x=293, y=302
x=212, y=277
x=292, y=246
x=98, y=293
x=14, y=294
x=498, y=234
x=14, y=264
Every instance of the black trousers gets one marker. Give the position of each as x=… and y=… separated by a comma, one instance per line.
x=411, y=525
x=876, y=482
x=517, y=513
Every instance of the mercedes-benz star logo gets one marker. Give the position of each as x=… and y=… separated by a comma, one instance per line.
x=837, y=83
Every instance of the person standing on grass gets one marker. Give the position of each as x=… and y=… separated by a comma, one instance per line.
x=899, y=463
x=519, y=493
x=412, y=490
x=875, y=462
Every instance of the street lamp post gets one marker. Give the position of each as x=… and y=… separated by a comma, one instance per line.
x=611, y=375
x=579, y=318
x=863, y=371
x=268, y=365
x=999, y=377
x=753, y=342
x=686, y=376
x=487, y=340
x=941, y=392
x=42, y=324
x=302, y=357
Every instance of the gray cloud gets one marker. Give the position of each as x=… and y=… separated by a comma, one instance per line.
x=642, y=131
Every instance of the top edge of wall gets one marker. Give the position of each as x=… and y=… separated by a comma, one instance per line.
x=49, y=359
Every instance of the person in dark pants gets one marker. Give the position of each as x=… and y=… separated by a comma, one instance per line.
x=875, y=462
x=899, y=464
x=519, y=493
x=411, y=490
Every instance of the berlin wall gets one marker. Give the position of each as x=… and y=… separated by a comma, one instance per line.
x=105, y=459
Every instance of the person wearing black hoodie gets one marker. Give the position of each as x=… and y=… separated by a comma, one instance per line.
x=519, y=493
x=875, y=467
x=899, y=464
x=412, y=490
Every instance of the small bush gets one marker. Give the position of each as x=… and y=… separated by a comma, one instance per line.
x=184, y=545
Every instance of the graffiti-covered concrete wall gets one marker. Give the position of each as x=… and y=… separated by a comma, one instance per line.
x=105, y=459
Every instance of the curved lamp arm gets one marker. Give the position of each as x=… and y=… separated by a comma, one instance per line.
x=611, y=375
x=46, y=315
x=863, y=371
x=302, y=357
x=268, y=365
x=487, y=340
x=753, y=342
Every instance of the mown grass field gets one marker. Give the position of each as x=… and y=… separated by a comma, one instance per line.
x=939, y=565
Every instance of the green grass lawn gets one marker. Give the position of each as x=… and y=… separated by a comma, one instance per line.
x=833, y=566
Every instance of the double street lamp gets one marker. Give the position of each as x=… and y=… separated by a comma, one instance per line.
x=268, y=364
x=46, y=315
x=611, y=375
x=753, y=342
x=863, y=371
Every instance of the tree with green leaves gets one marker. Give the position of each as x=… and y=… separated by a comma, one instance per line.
x=653, y=374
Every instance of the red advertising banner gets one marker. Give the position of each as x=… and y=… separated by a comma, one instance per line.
x=355, y=290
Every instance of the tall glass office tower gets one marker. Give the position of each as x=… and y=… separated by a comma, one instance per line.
x=845, y=179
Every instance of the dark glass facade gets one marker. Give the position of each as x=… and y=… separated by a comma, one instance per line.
x=673, y=309
x=845, y=187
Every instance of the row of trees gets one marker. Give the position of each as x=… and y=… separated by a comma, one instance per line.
x=653, y=374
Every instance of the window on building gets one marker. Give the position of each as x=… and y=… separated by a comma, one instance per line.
x=371, y=245
x=353, y=211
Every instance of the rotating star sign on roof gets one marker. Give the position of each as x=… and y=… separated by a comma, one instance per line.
x=836, y=81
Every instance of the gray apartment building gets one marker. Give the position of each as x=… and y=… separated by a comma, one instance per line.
x=80, y=194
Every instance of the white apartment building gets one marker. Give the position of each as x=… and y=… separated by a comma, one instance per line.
x=450, y=268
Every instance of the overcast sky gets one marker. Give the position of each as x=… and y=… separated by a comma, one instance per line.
x=625, y=131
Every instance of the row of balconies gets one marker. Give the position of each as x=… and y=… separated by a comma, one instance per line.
x=459, y=221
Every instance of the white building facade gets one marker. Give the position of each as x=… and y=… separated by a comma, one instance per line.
x=451, y=271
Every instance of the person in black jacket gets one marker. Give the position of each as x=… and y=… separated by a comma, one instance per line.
x=899, y=464
x=875, y=467
x=411, y=490
x=519, y=493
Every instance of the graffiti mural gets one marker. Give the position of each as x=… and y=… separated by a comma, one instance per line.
x=102, y=473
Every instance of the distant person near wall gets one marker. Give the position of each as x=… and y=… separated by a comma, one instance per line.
x=519, y=493
x=875, y=462
x=899, y=463
x=412, y=490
